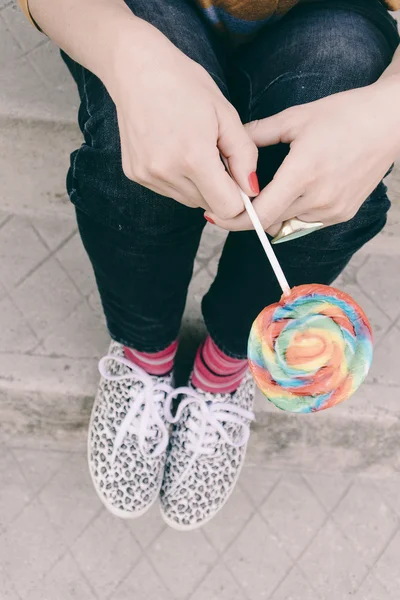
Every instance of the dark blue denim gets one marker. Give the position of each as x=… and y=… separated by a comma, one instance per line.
x=142, y=246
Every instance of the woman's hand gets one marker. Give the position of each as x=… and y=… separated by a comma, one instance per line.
x=174, y=125
x=340, y=149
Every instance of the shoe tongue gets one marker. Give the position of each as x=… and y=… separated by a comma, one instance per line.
x=212, y=397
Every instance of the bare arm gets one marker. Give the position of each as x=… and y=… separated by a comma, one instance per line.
x=157, y=89
x=91, y=31
x=394, y=68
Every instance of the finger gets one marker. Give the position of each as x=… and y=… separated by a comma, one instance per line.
x=279, y=128
x=327, y=217
x=177, y=193
x=217, y=188
x=171, y=192
x=305, y=209
x=336, y=210
x=274, y=229
x=200, y=200
x=239, y=150
x=317, y=205
x=274, y=200
x=304, y=204
x=185, y=188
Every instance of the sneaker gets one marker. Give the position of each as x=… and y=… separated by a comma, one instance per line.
x=207, y=450
x=128, y=435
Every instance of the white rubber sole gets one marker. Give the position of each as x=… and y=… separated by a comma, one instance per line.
x=117, y=512
x=179, y=527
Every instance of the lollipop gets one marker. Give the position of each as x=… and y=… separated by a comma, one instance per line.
x=311, y=350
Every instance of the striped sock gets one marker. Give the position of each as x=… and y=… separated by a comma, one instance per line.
x=154, y=363
x=216, y=372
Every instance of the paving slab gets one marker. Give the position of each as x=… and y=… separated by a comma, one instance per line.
x=54, y=333
x=316, y=514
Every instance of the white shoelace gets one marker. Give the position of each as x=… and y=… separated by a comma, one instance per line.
x=206, y=424
x=143, y=418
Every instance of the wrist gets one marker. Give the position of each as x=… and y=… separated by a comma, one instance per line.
x=109, y=42
x=136, y=46
x=391, y=83
x=387, y=90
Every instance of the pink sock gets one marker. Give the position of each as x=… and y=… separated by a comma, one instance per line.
x=216, y=372
x=154, y=363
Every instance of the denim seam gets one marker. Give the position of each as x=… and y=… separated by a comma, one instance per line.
x=250, y=102
x=290, y=75
x=85, y=127
x=258, y=96
x=74, y=191
x=73, y=188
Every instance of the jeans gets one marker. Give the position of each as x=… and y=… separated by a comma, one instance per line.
x=142, y=245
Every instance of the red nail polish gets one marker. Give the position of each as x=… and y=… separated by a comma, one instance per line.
x=209, y=220
x=253, y=180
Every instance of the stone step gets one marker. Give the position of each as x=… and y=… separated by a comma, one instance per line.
x=359, y=435
x=47, y=387
x=34, y=158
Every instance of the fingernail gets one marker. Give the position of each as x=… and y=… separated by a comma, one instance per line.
x=209, y=220
x=253, y=180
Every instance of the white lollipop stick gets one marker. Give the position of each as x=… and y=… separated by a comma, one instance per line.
x=262, y=236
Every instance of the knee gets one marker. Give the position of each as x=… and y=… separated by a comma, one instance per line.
x=343, y=50
x=351, y=55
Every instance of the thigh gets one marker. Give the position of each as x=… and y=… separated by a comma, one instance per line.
x=317, y=49
x=142, y=245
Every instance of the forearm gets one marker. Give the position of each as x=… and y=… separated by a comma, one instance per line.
x=389, y=85
x=393, y=69
x=91, y=31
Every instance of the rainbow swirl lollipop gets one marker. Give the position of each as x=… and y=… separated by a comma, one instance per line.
x=311, y=350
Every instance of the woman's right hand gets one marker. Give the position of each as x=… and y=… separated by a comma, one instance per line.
x=175, y=124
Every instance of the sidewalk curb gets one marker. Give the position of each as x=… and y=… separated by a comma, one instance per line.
x=51, y=398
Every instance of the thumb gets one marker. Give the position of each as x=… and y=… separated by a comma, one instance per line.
x=238, y=150
x=279, y=128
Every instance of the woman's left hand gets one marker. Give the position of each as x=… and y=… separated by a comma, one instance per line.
x=340, y=149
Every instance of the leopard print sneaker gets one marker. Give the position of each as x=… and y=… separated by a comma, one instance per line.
x=207, y=451
x=128, y=435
